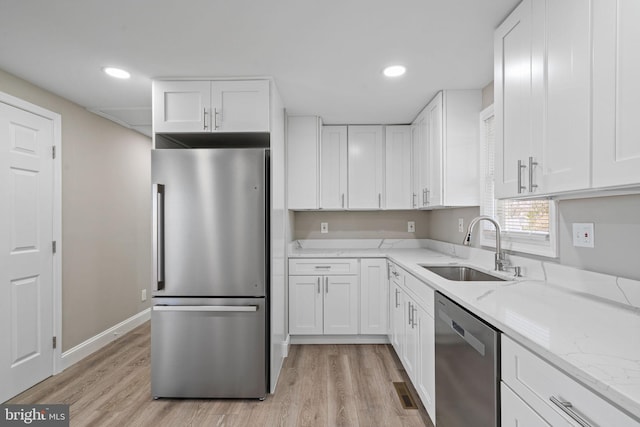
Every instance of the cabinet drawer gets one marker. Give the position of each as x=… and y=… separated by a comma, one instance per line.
x=422, y=292
x=313, y=266
x=536, y=382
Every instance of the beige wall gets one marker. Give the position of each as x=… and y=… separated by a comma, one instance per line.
x=443, y=223
x=360, y=225
x=487, y=95
x=106, y=229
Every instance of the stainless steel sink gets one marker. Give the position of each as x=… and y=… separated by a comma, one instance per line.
x=461, y=273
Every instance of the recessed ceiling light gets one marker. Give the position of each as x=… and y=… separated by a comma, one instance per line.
x=118, y=73
x=394, y=71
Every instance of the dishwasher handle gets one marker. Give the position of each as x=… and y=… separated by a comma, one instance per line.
x=206, y=308
x=462, y=333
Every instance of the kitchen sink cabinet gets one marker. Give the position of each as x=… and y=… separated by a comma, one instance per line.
x=365, y=167
x=616, y=90
x=373, y=296
x=333, y=168
x=542, y=99
x=398, y=162
x=303, y=135
x=445, y=150
x=185, y=106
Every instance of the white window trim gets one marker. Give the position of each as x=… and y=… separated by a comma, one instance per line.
x=529, y=243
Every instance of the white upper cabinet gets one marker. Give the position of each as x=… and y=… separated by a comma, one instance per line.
x=445, y=150
x=398, y=182
x=211, y=106
x=333, y=168
x=616, y=90
x=303, y=134
x=542, y=99
x=365, y=167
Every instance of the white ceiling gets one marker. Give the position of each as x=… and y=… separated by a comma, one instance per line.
x=326, y=57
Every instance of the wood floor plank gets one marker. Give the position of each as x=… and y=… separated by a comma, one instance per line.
x=319, y=385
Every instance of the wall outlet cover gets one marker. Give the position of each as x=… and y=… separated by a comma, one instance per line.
x=411, y=226
x=583, y=235
x=324, y=227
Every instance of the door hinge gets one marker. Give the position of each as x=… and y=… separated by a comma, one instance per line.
x=54, y=247
x=53, y=151
x=55, y=342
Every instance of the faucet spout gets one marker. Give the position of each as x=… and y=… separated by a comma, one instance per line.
x=500, y=262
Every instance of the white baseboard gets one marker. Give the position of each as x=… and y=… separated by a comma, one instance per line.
x=339, y=339
x=95, y=343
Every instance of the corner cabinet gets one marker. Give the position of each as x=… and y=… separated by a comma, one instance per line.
x=445, y=150
x=543, y=99
x=185, y=106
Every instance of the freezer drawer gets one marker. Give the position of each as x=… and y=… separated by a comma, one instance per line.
x=208, y=348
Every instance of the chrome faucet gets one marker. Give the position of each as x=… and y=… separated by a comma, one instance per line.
x=501, y=261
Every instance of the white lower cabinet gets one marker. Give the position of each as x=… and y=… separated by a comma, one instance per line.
x=323, y=305
x=552, y=397
x=373, y=296
x=412, y=332
x=515, y=413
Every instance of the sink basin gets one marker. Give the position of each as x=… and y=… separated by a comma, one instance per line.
x=461, y=273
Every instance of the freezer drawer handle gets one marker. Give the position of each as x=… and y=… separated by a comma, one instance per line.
x=214, y=308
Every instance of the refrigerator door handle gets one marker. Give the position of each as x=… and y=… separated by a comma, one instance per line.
x=158, y=237
x=207, y=308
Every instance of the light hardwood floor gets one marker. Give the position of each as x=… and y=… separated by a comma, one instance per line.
x=320, y=385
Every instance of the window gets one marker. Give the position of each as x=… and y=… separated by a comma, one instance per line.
x=527, y=225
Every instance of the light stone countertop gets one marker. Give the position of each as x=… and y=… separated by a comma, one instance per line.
x=585, y=324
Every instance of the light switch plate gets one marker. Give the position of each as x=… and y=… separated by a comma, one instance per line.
x=460, y=225
x=324, y=227
x=583, y=235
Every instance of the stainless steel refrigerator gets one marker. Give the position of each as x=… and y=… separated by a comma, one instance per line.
x=209, y=319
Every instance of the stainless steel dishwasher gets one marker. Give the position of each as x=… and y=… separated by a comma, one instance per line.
x=467, y=368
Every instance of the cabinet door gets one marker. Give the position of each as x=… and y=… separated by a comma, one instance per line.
x=373, y=297
x=333, y=167
x=515, y=413
x=410, y=354
x=305, y=305
x=416, y=187
x=181, y=106
x=340, y=305
x=398, y=161
x=397, y=314
x=435, y=143
x=562, y=143
x=302, y=161
x=513, y=98
x=421, y=156
x=365, y=167
x=240, y=106
x=616, y=90
x=426, y=385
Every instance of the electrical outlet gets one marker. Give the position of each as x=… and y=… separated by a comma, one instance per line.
x=411, y=226
x=324, y=227
x=583, y=235
x=460, y=225
x=143, y=295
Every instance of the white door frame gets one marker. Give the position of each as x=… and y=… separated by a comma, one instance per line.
x=57, y=218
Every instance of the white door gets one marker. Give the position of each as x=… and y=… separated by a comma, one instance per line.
x=333, y=167
x=240, y=105
x=399, y=194
x=305, y=305
x=365, y=167
x=341, y=305
x=26, y=259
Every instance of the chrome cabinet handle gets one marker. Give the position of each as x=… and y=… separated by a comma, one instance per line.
x=343, y=200
x=158, y=238
x=397, y=292
x=424, y=197
x=532, y=163
x=322, y=267
x=414, y=200
x=413, y=317
x=318, y=284
x=566, y=407
x=326, y=285
x=379, y=200
x=215, y=118
x=204, y=118
x=520, y=186
x=428, y=194
x=409, y=312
